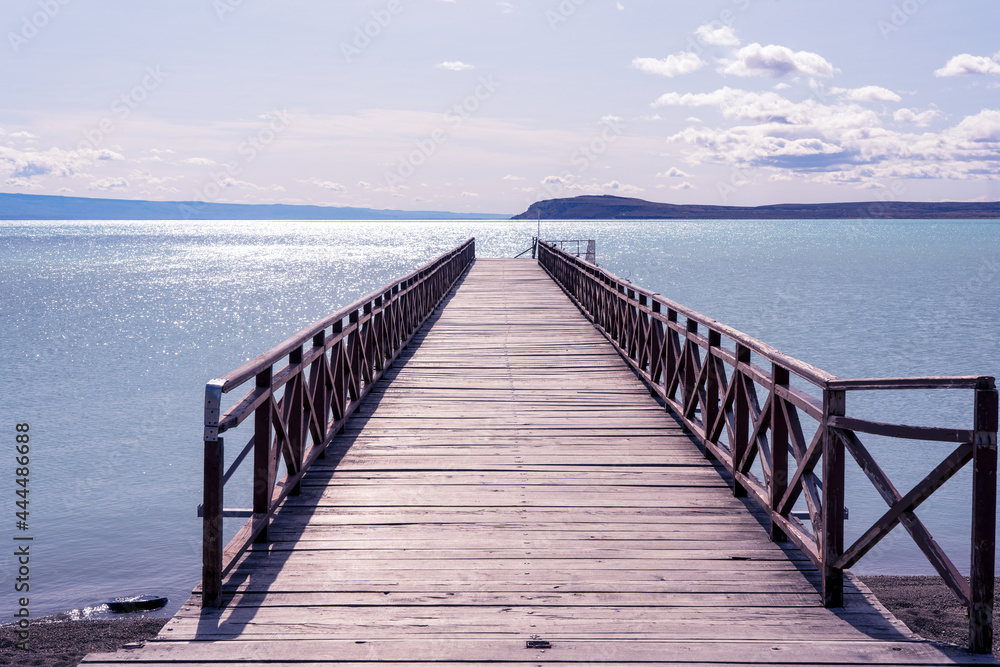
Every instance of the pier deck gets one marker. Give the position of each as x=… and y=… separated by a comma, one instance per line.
x=512, y=480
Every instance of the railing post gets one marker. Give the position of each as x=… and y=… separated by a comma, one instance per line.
x=338, y=368
x=606, y=305
x=368, y=344
x=779, y=449
x=710, y=410
x=832, y=538
x=396, y=319
x=212, y=500
x=354, y=356
x=656, y=340
x=984, y=507
x=380, y=348
x=620, y=316
x=690, y=353
x=631, y=325
x=321, y=393
x=642, y=340
x=296, y=421
x=741, y=417
x=263, y=479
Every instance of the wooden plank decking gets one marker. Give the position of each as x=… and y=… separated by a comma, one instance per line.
x=513, y=480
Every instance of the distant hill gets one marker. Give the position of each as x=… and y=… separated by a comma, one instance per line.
x=607, y=207
x=46, y=207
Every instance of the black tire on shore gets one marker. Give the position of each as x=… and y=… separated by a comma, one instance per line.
x=138, y=603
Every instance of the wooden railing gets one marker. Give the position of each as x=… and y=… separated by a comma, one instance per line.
x=323, y=373
x=576, y=247
x=738, y=397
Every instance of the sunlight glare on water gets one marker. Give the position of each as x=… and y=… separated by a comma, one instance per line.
x=111, y=329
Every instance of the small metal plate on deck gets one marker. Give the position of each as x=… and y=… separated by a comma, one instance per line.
x=537, y=643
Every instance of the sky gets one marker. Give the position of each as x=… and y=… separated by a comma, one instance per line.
x=487, y=106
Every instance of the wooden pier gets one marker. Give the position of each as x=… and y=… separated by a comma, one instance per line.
x=497, y=485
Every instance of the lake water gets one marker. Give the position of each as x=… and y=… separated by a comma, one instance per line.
x=111, y=329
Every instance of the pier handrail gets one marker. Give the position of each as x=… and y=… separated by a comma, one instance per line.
x=705, y=372
x=329, y=367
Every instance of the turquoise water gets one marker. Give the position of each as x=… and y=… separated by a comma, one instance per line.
x=111, y=329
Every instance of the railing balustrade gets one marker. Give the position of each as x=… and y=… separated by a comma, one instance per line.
x=322, y=374
x=749, y=415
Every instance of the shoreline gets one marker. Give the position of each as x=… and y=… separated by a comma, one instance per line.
x=928, y=607
x=923, y=603
x=55, y=642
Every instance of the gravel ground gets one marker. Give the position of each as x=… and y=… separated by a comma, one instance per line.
x=925, y=604
x=64, y=643
x=928, y=607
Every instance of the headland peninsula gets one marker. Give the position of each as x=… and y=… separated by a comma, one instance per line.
x=610, y=207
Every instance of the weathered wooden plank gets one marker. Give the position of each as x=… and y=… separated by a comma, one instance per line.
x=513, y=479
x=583, y=651
x=554, y=623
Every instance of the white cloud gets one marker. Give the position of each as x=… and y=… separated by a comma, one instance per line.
x=984, y=127
x=966, y=63
x=53, y=161
x=21, y=182
x=454, y=65
x=736, y=103
x=200, y=161
x=146, y=177
x=230, y=182
x=511, y=177
x=673, y=172
x=621, y=188
x=470, y=195
x=717, y=35
x=22, y=135
x=774, y=61
x=671, y=66
x=682, y=186
x=109, y=184
x=620, y=6
x=506, y=7
x=326, y=185
x=868, y=94
x=615, y=187
x=835, y=143
x=908, y=116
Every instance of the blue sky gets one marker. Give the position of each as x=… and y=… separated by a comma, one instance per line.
x=487, y=106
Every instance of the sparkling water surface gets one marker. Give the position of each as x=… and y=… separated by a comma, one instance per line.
x=111, y=329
